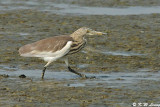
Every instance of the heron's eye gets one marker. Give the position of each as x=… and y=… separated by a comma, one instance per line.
x=87, y=31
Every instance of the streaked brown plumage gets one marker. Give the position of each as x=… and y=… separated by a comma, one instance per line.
x=52, y=44
x=53, y=48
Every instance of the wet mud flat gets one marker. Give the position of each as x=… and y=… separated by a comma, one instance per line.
x=125, y=62
x=64, y=89
x=132, y=42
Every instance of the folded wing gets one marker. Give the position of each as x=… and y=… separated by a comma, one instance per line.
x=50, y=47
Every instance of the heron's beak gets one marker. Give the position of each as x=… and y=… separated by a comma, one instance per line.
x=96, y=33
x=101, y=33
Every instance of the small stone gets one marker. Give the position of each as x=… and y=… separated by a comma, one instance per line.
x=22, y=76
x=4, y=75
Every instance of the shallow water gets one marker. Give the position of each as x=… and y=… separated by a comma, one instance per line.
x=113, y=79
x=79, y=10
x=114, y=53
x=120, y=53
x=64, y=9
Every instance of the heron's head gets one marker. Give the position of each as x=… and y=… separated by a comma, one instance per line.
x=85, y=31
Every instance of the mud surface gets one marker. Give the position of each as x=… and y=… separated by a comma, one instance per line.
x=125, y=62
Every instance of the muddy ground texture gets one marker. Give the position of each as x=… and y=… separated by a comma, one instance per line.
x=130, y=34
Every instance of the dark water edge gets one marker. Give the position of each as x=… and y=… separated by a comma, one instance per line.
x=73, y=9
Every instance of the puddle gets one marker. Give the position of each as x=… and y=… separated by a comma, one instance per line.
x=114, y=53
x=23, y=34
x=110, y=79
x=13, y=33
x=83, y=65
x=75, y=85
x=64, y=9
x=122, y=53
x=74, y=9
x=37, y=74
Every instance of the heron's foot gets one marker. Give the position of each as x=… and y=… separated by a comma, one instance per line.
x=83, y=76
x=86, y=77
x=92, y=77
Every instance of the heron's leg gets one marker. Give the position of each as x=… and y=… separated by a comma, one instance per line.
x=44, y=69
x=73, y=71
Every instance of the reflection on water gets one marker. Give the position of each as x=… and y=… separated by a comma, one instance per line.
x=64, y=9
